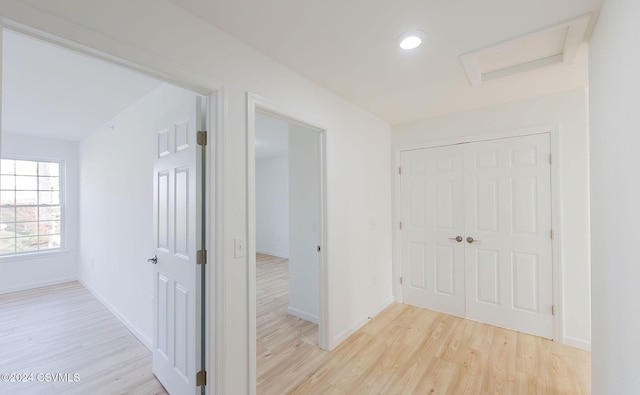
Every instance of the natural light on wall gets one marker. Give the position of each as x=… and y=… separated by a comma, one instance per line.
x=30, y=206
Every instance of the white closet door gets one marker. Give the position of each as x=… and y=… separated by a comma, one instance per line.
x=508, y=215
x=432, y=217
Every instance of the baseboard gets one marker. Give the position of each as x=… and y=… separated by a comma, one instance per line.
x=302, y=314
x=143, y=339
x=354, y=328
x=37, y=285
x=577, y=343
x=276, y=254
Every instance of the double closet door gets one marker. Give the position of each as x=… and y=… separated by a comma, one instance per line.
x=476, y=232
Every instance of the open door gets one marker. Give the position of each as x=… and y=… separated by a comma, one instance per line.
x=178, y=341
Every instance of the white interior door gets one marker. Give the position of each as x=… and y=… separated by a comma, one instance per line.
x=178, y=231
x=509, y=277
x=496, y=195
x=432, y=219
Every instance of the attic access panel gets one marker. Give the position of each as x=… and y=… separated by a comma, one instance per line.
x=553, y=45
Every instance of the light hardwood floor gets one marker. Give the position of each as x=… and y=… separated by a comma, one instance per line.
x=406, y=350
x=286, y=345
x=64, y=329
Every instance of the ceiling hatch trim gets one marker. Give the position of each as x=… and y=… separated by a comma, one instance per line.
x=553, y=45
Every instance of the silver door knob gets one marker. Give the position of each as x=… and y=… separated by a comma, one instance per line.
x=471, y=240
x=457, y=238
x=153, y=260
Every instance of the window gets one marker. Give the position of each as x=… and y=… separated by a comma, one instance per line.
x=31, y=212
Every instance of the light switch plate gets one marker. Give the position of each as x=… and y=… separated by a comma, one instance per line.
x=240, y=248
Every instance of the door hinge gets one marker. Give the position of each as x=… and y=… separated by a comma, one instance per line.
x=400, y=170
x=553, y=309
x=400, y=280
x=550, y=158
x=202, y=137
x=551, y=234
x=201, y=378
x=201, y=258
x=400, y=224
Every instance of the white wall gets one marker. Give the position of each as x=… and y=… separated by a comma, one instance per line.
x=304, y=190
x=272, y=206
x=567, y=112
x=116, y=210
x=357, y=150
x=615, y=194
x=24, y=272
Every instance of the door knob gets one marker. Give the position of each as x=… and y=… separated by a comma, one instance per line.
x=457, y=238
x=471, y=240
x=153, y=260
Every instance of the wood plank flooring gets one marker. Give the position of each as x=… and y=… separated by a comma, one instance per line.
x=286, y=345
x=406, y=350
x=64, y=329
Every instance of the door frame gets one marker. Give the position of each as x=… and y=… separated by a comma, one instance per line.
x=556, y=223
x=215, y=165
x=258, y=104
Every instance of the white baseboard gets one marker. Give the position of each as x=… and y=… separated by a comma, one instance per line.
x=302, y=314
x=143, y=339
x=276, y=254
x=25, y=287
x=345, y=335
x=577, y=343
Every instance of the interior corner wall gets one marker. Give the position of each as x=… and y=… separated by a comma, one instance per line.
x=116, y=210
x=566, y=111
x=272, y=206
x=614, y=83
x=304, y=210
x=25, y=272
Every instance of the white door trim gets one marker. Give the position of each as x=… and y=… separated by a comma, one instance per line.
x=215, y=167
x=256, y=103
x=217, y=218
x=555, y=209
x=104, y=56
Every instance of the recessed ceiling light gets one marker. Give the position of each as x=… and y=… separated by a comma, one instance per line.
x=411, y=39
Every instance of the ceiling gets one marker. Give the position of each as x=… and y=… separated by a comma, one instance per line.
x=350, y=47
x=52, y=92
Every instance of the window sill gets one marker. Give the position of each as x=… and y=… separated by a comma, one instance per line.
x=33, y=255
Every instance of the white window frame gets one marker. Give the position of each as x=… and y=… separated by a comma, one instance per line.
x=63, y=212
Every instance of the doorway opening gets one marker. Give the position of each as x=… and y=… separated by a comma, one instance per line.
x=103, y=125
x=287, y=241
x=286, y=244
